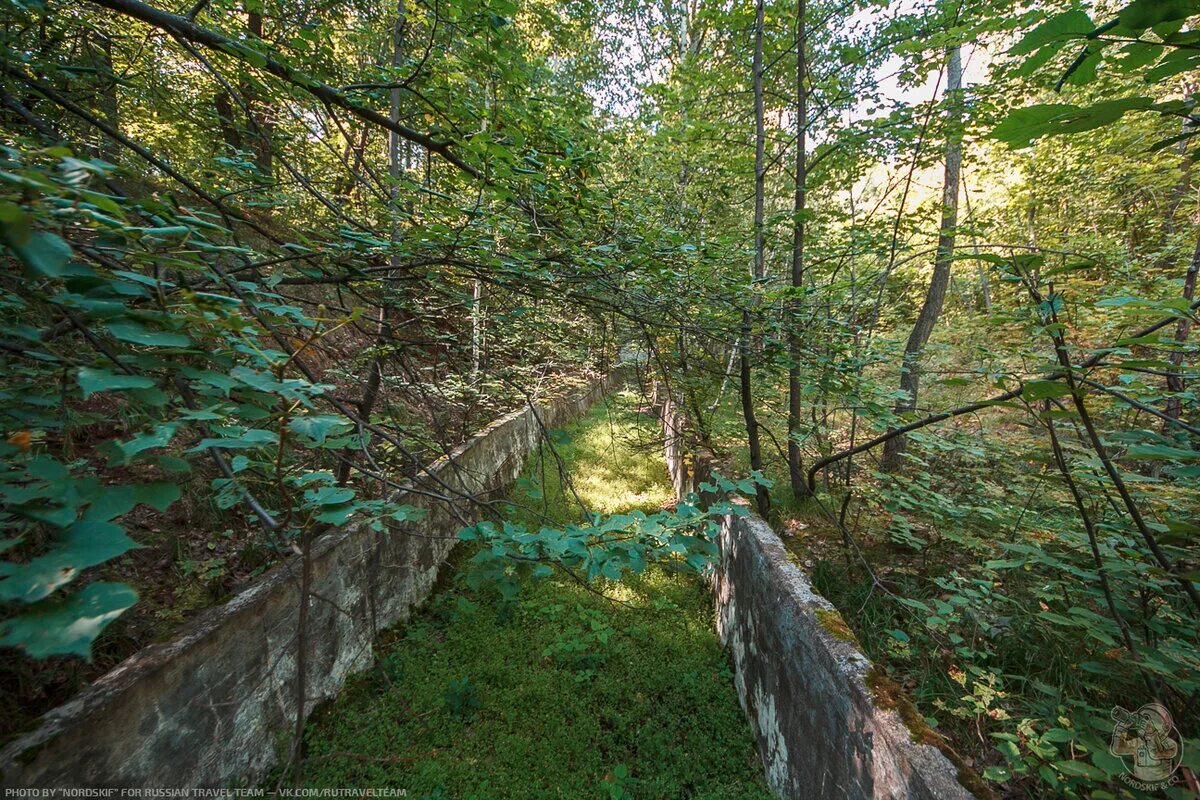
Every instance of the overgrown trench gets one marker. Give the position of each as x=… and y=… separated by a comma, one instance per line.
x=558, y=692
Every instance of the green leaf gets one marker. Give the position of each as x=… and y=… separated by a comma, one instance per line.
x=136, y=333
x=45, y=254
x=997, y=774
x=1056, y=31
x=1023, y=125
x=318, y=426
x=1161, y=451
x=67, y=626
x=158, y=495
x=405, y=513
x=329, y=496
x=84, y=544
x=1142, y=14
x=1108, y=762
x=113, y=502
x=337, y=515
x=93, y=381
x=254, y=437
x=1042, y=390
x=160, y=437
x=1058, y=735
x=1079, y=769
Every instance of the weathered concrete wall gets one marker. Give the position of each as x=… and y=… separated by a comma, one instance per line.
x=208, y=708
x=803, y=683
x=801, y=678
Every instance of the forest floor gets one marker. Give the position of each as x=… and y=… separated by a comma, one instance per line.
x=558, y=692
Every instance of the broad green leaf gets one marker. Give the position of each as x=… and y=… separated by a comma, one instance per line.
x=1056, y=31
x=1161, y=451
x=136, y=333
x=317, y=426
x=1108, y=762
x=997, y=774
x=92, y=381
x=1037, y=390
x=84, y=544
x=67, y=626
x=329, y=495
x=46, y=254
x=1142, y=14
x=255, y=437
x=1023, y=125
x=158, y=495
x=160, y=437
x=112, y=502
x=337, y=515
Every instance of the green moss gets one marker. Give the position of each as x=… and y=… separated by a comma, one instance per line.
x=577, y=696
x=832, y=621
x=888, y=695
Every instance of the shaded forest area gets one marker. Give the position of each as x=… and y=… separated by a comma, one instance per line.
x=921, y=274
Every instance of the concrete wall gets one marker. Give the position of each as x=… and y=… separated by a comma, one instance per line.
x=211, y=707
x=804, y=683
x=800, y=677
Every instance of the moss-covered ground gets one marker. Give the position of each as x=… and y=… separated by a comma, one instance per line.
x=558, y=693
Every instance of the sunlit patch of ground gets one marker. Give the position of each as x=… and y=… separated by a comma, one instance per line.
x=559, y=693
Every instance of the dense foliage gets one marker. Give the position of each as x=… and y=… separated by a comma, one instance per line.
x=929, y=266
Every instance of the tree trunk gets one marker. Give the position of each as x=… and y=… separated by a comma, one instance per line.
x=260, y=125
x=932, y=308
x=100, y=52
x=795, y=408
x=478, y=332
x=762, y=498
x=226, y=120
x=394, y=144
x=1174, y=382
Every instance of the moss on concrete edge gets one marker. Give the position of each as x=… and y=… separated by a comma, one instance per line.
x=889, y=696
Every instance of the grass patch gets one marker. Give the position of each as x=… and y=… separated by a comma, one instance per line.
x=558, y=693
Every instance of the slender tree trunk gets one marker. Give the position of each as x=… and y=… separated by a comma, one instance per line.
x=985, y=292
x=226, y=120
x=394, y=144
x=100, y=51
x=477, y=330
x=762, y=498
x=478, y=295
x=1174, y=382
x=932, y=308
x=355, y=153
x=795, y=408
x=260, y=125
